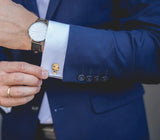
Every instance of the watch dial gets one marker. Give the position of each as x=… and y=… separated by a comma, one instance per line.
x=38, y=31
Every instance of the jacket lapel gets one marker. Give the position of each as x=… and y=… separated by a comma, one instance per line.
x=53, y=5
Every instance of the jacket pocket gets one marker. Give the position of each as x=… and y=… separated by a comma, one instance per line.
x=106, y=102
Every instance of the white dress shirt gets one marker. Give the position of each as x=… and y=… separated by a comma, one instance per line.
x=54, y=52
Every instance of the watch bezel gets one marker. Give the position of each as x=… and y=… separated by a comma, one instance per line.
x=42, y=21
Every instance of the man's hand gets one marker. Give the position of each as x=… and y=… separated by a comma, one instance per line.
x=24, y=81
x=14, y=23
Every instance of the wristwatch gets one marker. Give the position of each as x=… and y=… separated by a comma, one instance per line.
x=37, y=32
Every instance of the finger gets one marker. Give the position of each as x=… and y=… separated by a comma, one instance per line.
x=21, y=79
x=10, y=102
x=23, y=91
x=24, y=68
x=19, y=91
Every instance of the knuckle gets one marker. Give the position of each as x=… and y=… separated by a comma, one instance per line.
x=38, y=71
x=2, y=75
x=22, y=66
x=18, y=78
x=18, y=92
x=37, y=82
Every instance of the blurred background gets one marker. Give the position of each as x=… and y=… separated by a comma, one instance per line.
x=152, y=104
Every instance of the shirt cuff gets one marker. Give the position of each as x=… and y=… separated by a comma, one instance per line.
x=55, y=48
x=6, y=109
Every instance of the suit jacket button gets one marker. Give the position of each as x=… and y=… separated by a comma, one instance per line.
x=55, y=110
x=81, y=78
x=96, y=78
x=104, y=78
x=35, y=108
x=89, y=78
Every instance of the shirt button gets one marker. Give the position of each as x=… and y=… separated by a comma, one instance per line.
x=96, y=78
x=104, y=78
x=35, y=108
x=81, y=78
x=89, y=78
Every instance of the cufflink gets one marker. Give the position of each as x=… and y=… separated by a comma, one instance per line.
x=55, y=68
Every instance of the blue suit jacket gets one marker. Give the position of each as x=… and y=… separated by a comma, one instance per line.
x=113, y=46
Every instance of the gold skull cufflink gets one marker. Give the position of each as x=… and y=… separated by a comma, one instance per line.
x=55, y=68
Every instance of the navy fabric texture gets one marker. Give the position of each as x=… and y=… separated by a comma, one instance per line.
x=113, y=47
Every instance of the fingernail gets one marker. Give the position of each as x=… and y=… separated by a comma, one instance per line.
x=44, y=73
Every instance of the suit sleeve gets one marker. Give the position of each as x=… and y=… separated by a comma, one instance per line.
x=130, y=53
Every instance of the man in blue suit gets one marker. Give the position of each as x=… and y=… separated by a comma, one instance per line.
x=96, y=54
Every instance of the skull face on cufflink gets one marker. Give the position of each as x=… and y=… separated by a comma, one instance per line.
x=55, y=68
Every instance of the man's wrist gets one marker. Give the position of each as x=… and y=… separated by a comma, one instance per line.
x=33, y=19
x=37, y=32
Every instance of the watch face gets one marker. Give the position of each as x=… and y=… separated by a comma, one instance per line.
x=37, y=31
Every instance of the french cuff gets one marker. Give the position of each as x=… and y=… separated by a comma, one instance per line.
x=55, y=47
x=6, y=109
